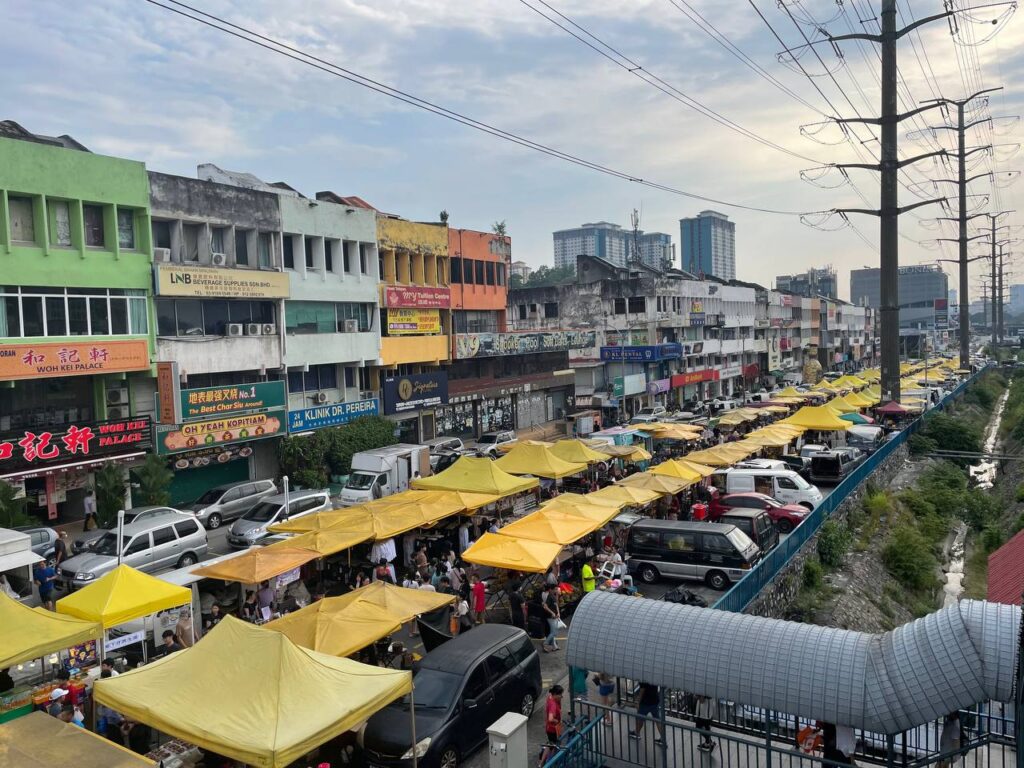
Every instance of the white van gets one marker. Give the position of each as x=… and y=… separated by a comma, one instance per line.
x=785, y=485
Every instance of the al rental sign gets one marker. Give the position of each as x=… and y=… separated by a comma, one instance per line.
x=45, y=448
x=333, y=415
x=234, y=399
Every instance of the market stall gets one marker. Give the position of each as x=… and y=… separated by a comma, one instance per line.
x=538, y=461
x=500, y=551
x=253, y=695
x=579, y=452
x=819, y=418
x=41, y=741
x=724, y=455
x=468, y=474
x=560, y=525
x=634, y=497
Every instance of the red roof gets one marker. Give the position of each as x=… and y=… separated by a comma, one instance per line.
x=1006, y=572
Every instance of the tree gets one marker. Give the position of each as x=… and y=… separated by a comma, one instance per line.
x=444, y=216
x=12, y=510
x=109, y=493
x=500, y=229
x=310, y=461
x=908, y=557
x=516, y=281
x=154, y=478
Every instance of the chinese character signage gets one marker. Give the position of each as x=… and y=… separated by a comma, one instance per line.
x=218, y=282
x=648, y=354
x=405, y=322
x=168, y=389
x=234, y=399
x=419, y=297
x=45, y=448
x=212, y=433
x=468, y=345
x=58, y=358
x=332, y=415
x=410, y=393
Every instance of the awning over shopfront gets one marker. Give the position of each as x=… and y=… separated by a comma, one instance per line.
x=476, y=475
x=252, y=695
x=122, y=595
x=500, y=551
x=537, y=460
x=38, y=740
x=30, y=633
x=820, y=418
x=259, y=564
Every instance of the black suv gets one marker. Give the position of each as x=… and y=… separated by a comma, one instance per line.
x=460, y=689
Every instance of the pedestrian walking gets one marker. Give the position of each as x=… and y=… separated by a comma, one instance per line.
x=516, y=604
x=479, y=592
x=648, y=704
x=587, y=575
x=549, y=603
x=44, y=577
x=605, y=689
x=950, y=739
x=60, y=550
x=89, y=504
x=552, y=724
x=703, y=715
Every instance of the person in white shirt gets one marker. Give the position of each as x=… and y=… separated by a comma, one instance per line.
x=89, y=505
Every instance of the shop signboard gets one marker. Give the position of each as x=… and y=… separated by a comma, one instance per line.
x=730, y=372
x=407, y=322
x=43, y=448
x=417, y=296
x=71, y=358
x=211, y=433
x=168, y=393
x=232, y=400
x=469, y=345
x=631, y=384
x=647, y=354
x=774, y=353
x=333, y=415
x=694, y=377
x=697, y=316
x=941, y=307
x=410, y=393
x=659, y=387
x=220, y=283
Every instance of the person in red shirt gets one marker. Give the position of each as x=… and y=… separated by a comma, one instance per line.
x=479, y=591
x=552, y=723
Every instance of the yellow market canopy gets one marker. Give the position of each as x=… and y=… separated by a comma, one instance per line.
x=476, y=475
x=597, y=512
x=30, y=633
x=858, y=400
x=506, y=447
x=628, y=452
x=578, y=452
x=674, y=468
x=820, y=418
x=793, y=392
x=336, y=631
x=555, y=524
x=629, y=496
x=500, y=551
x=702, y=469
x=537, y=460
x=38, y=740
x=252, y=695
x=122, y=595
x=576, y=499
x=326, y=542
x=769, y=439
x=661, y=483
x=839, y=405
x=400, y=603
x=722, y=455
x=258, y=564
x=672, y=431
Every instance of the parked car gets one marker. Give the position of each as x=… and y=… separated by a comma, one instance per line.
x=442, y=459
x=832, y=467
x=785, y=516
x=461, y=688
x=488, y=443
x=696, y=406
x=649, y=414
x=782, y=484
x=756, y=523
x=151, y=544
x=252, y=526
x=226, y=502
x=720, y=404
x=711, y=552
x=86, y=540
x=809, y=449
x=444, y=444
x=796, y=462
x=866, y=438
x=43, y=539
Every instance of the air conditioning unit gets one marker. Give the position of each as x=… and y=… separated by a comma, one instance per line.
x=162, y=254
x=218, y=259
x=269, y=329
x=118, y=412
x=320, y=398
x=117, y=396
x=253, y=329
x=235, y=329
x=351, y=326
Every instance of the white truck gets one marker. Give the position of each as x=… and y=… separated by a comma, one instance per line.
x=16, y=561
x=384, y=471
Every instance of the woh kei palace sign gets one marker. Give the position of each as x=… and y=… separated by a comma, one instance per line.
x=39, y=449
x=49, y=359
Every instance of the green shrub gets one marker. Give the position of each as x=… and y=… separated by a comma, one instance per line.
x=1020, y=492
x=813, y=573
x=309, y=461
x=110, y=486
x=154, y=481
x=952, y=434
x=833, y=542
x=919, y=445
x=909, y=558
x=1019, y=524
x=12, y=510
x=992, y=538
x=877, y=504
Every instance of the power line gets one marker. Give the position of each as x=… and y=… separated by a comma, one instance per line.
x=296, y=54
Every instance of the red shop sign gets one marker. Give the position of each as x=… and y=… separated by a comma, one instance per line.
x=420, y=297
x=696, y=377
x=52, y=447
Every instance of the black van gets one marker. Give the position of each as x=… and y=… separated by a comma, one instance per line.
x=716, y=553
x=460, y=689
x=832, y=467
x=756, y=523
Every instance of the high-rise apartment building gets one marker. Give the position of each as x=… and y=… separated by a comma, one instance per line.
x=612, y=243
x=923, y=294
x=709, y=245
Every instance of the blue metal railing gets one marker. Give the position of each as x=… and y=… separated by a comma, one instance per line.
x=582, y=748
x=746, y=589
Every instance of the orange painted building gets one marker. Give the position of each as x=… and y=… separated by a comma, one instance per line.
x=479, y=274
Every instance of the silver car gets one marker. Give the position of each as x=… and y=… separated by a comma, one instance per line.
x=150, y=545
x=226, y=502
x=85, y=541
x=252, y=526
x=43, y=540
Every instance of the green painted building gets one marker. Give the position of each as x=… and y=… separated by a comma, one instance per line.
x=76, y=324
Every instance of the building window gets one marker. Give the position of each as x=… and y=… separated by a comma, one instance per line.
x=551, y=309
x=490, y=273
x=22, y=225
x=467, y=271
x=346, y=261
x=190, y=244
x=310, y=317
x=99, y=315
x=501, y=274
x=289, y=252
x=126, y=229
x=208, y=317
x=317, y=378
x=620, y=307
x=637, y=304
x=522, y=311
x=217, y=241
x=265, y=246
x=479, y=272
x=92, y=219
x=161, y=234
x=456, y=269
x=350, y=376
x=60, y=220
x=364, y=267
x=308, y=246
x=354, y=311
x=329, y=255
x=241, y=247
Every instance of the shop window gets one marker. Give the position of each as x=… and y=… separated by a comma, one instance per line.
x=22, y=225
x=265, y=246
x=60, y=222
x=161, y=234
x=456, y=269
x=10, y=321
x=190, y=317
x=92, y=220
x=56, y=317
x=479, y=272
x=490, y=272
x=126, y=229
x=289, y=252
x=32, y=315
x=242, y=247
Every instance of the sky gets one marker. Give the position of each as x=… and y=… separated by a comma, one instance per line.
x=131, y=79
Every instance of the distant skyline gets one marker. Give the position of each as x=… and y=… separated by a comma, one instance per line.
x=130, y=79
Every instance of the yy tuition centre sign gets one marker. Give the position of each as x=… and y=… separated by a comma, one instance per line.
x=333, y=415
x=48, y=359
